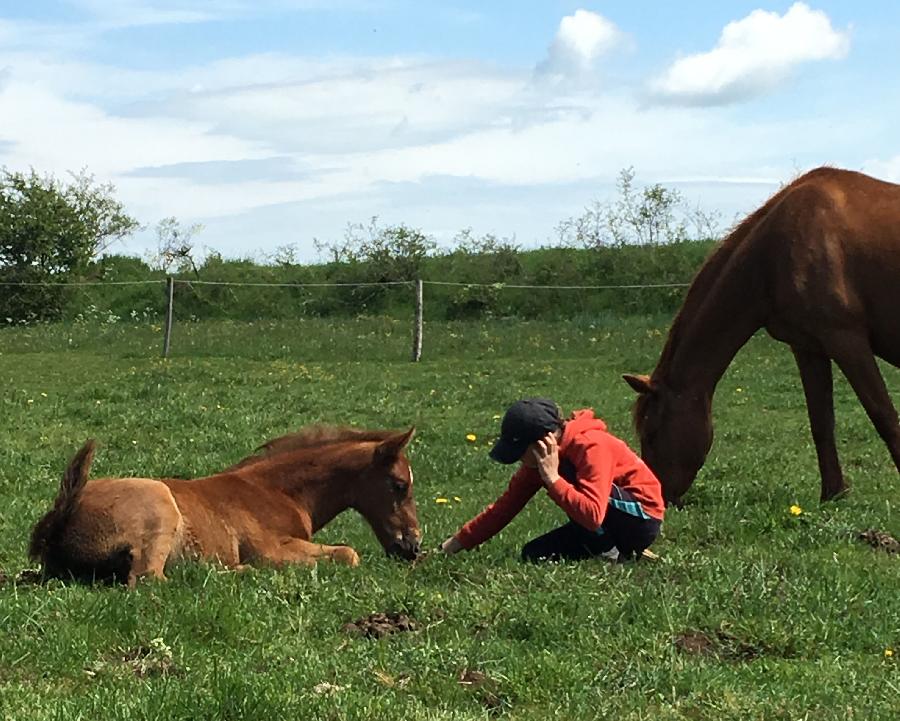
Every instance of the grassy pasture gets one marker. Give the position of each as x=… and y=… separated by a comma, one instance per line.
x=752, y=613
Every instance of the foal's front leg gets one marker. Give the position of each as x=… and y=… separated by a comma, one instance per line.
x=296, y=550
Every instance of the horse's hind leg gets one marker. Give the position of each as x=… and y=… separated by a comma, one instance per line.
x=163, y=528
x=854, y=356
x=815, y=373
x=296, y=550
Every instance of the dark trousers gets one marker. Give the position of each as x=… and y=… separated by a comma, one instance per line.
x=571, y=542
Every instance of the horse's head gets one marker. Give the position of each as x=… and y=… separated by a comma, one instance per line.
x=385, y=497
x=675, y=429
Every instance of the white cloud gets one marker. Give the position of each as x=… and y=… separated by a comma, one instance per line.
x=348, y=105
x=54, y=134
x=245, y=133
x=753, y=56
x=285, y=136
x=582, y=38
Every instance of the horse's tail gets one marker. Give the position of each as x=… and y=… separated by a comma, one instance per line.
x=47, y=537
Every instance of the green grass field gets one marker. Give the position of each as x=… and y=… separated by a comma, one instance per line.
x=752, y=612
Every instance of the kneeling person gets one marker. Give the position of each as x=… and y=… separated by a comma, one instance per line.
x=612, y=498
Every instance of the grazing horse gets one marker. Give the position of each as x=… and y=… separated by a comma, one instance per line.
x=817, y=266
x=265, y=509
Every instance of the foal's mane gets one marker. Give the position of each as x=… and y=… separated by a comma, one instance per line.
x=311, y=437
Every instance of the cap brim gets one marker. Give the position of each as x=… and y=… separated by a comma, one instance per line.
x=506, y=452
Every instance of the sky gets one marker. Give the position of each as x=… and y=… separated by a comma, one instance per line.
x=273, y=123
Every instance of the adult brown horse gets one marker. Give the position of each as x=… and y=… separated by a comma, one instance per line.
x=265, y=509
x=817, y=266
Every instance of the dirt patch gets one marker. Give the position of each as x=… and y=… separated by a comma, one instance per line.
x=717, y=644
x=880, y=540
x=485, y=689
x=145, y=661
x=378, y=625
x=695, y=643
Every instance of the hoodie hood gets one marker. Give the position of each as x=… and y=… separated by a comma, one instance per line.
x=578, y=423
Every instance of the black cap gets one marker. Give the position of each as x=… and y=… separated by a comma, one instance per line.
x=525, y=422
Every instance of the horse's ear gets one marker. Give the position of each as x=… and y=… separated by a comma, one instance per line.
x=408, y=436
x=639, y=383
x=390, y=447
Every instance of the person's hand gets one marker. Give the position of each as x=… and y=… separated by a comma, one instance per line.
x=546, y=453
x=451, y=546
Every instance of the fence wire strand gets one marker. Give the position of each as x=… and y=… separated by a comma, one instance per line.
x=498, y=285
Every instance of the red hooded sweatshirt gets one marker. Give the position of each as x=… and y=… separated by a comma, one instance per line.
x=593, y=463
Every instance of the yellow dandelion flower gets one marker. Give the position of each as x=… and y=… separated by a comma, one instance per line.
x=43, y=395
x=888, y=653
x=457, y=499
x=495, y=418
x=796, y=510
x=471, y=438
x=441, y=500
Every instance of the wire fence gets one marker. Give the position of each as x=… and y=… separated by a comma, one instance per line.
x=417, y=286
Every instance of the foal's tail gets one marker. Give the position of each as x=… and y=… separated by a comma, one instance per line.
x=47, y=537
x=46, y=532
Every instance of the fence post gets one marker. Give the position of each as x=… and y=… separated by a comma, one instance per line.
x=417, y=329
x=170, y=302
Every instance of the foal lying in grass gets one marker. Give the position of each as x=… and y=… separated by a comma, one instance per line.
x=265, y=509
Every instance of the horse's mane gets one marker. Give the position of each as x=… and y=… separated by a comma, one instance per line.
x=710, y=271
x=310, y=437
x=706, y=278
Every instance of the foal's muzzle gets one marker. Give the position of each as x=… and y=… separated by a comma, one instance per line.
x=406, y=547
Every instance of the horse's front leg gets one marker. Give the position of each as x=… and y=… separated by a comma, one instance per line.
x=815, y=373
x=296, y=550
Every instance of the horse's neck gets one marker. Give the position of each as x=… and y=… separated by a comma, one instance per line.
x=321, y=499
x=724, y=308
x=325, y=505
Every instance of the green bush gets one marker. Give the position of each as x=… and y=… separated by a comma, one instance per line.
x=49, y=231
x=639, y=240
x=483, y=292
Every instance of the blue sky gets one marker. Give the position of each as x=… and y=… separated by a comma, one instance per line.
x=274, y=122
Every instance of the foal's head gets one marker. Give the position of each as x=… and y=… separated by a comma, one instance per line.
x=384, y=497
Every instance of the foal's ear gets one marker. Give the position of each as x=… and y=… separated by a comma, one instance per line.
x=639, y=383
x=391, y=446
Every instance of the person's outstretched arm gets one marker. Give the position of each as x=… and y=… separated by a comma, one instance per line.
x=493, y=519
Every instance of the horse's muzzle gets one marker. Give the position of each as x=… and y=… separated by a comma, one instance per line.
x=406, y=547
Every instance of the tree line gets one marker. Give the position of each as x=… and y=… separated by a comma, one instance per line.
x=53, y=233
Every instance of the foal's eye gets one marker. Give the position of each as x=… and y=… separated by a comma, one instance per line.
x=401, y=486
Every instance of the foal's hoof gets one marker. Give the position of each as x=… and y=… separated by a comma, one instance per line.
x=345, y=555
